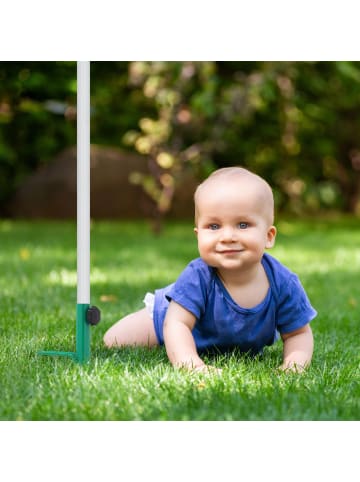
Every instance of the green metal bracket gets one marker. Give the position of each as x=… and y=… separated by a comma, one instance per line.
x=82, y=354
x=82, y=334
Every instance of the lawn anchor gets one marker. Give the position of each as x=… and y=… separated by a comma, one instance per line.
x=86, y=315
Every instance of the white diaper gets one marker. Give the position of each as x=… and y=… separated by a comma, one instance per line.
x=149, y=301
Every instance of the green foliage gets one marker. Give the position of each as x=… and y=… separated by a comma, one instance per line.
x=37, y=117
x=295, y=123
x=38, y=302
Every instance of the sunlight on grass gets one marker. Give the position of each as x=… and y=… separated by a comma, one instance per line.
x=67, y=277
x=319, y=261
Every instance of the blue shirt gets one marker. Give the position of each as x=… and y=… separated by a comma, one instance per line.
x=221, y=322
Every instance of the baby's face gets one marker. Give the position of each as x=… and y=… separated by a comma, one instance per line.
x=233, y=224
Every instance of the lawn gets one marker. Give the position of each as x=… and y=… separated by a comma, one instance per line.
x=38, y=301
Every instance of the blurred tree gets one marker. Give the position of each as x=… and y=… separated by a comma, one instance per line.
x=175, y=138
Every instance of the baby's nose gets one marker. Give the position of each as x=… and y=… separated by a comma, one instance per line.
x=228, y=234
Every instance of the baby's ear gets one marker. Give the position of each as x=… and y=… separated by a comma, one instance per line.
x=196, y=231
x=271, y=235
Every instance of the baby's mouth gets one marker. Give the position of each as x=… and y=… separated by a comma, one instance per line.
x=230, y=251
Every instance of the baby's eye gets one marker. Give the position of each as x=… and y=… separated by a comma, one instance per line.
x=243, y=225
x=214, y=226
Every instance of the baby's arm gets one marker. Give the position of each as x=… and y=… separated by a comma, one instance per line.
x=298, y=349
x=179, y=341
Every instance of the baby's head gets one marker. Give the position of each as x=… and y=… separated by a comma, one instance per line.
x=239, y=183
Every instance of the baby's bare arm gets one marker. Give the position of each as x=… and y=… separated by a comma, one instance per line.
x=298, y=349
x=179, y=341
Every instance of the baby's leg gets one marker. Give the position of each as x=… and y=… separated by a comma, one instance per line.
x=135, y=329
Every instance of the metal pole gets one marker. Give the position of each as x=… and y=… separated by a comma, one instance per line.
x=83, y=211
x=85, y=315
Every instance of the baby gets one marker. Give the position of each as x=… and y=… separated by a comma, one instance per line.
x=235, y=294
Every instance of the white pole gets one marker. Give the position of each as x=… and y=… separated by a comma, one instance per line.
x=83, y=182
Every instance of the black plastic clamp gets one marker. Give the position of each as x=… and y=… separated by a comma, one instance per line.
x=93, y=315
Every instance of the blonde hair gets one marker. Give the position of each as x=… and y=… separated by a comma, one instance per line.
x=228, y=173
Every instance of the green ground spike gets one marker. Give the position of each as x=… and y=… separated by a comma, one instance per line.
x=86, y=316
x=82, y=334
x=82, y=354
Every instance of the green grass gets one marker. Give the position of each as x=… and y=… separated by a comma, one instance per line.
x=38, y=301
